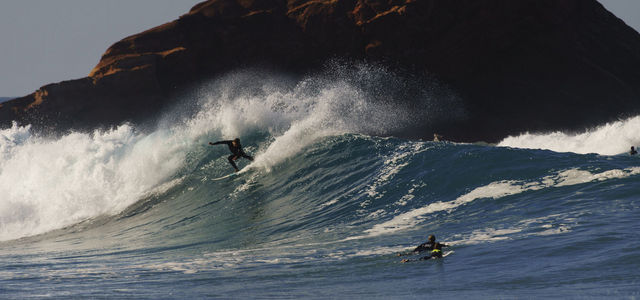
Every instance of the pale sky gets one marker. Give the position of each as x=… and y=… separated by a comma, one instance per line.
x=627, y=10
x=47, y=41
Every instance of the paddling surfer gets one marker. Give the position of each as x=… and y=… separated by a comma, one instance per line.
x=236, y=149
x=434, y=248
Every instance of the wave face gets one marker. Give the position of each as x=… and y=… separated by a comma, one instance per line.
x=321, y=212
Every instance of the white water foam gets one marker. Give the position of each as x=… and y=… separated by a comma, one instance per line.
x=609, y=139
x=51, y=183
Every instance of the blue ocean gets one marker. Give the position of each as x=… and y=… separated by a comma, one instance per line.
x=331, y=199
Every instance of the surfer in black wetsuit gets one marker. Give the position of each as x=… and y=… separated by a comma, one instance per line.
x=236, y=149
x=434, y=248
x=633, y=151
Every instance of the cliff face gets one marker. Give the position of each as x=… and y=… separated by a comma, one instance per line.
x=518, y=65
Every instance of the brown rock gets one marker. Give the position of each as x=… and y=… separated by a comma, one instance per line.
x=518, y=65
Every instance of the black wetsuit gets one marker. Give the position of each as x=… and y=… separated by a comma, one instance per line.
x=434, y=247
x=237, y=152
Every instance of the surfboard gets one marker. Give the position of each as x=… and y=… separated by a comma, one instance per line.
x=226, y=176
x=243, y=170
x=445, y=254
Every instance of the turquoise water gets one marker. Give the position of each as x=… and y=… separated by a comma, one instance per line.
x=321, y=213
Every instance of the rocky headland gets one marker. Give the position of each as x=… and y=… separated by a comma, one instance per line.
x=529, y=65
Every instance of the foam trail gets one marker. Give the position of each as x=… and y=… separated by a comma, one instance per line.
x=414, y=217
x=549, y=225
x=496, y=190
x=609, y=139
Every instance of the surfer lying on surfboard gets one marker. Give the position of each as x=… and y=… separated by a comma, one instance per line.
x=431, y=245
x=236, y=149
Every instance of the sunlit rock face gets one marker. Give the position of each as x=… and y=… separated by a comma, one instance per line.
x=513, y=66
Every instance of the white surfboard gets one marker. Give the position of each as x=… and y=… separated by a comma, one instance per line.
x=245, y=169
x=226, y=176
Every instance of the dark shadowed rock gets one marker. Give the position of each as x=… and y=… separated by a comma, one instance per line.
x=528, y=65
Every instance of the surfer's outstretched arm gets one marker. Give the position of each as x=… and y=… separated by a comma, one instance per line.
x=220, y=142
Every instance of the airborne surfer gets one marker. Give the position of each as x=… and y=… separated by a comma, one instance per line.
x=434, y=248
x=236, y=149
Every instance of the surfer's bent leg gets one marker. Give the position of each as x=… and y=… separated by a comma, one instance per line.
x=231, y=158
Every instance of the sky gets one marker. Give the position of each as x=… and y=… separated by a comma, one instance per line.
x=47, y=41
x=627, y=10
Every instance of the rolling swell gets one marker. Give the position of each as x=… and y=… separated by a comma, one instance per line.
x=348, y=187
x=324, y=207
x=53, y=182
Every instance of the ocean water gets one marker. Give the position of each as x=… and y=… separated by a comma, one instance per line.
x=324, y=209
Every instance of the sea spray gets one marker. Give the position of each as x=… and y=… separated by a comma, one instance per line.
x=293, y=114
